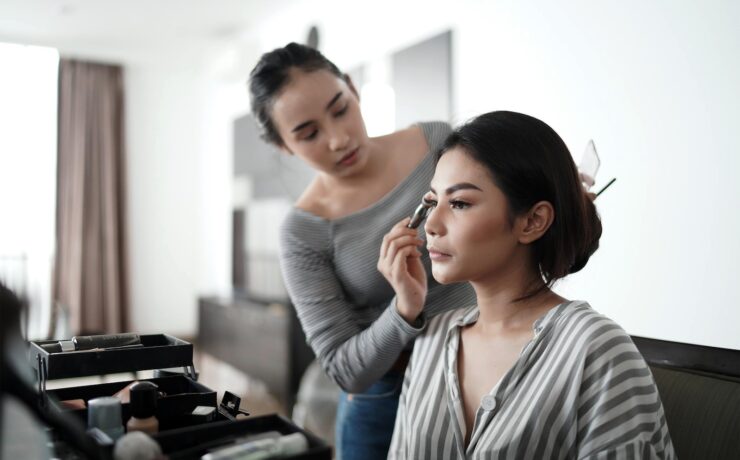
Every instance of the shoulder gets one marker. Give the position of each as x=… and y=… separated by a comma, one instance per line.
x=312, y=198
x=435, y=133
x=578, y=318
x=431, y=129
x=592, y=335
x=409, y=139
x=301, y=228
x=424, y=137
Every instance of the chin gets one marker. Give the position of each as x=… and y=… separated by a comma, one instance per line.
x=445, y=276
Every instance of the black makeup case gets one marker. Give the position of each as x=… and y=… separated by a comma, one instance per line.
x=181, y=435
x=180, y=393
x=193, y=442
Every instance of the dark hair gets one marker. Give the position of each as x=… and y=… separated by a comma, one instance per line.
x=530, y=163
x=272, y=73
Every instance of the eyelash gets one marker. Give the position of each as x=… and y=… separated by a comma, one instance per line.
x=458, y=204
x=338, y=114
x=454, y=204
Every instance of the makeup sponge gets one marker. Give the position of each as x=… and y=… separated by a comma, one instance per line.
x=136, y=446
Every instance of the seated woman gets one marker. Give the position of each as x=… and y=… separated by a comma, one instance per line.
x=524, y=373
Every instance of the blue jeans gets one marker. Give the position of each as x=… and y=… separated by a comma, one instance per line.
x=364, y=425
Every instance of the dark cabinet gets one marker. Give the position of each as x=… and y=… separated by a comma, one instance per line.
x=260, y=337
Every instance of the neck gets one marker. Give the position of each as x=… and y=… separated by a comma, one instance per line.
x=498, y=299
x=368, y=174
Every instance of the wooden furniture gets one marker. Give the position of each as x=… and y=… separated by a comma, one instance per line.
x=260, y=337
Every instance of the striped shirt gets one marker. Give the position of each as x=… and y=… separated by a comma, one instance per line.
x=579, y=389
x=345, y=305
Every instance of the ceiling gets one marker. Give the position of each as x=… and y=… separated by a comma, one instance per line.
x=130, y=29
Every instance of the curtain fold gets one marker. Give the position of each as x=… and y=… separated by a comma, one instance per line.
x=90, y=273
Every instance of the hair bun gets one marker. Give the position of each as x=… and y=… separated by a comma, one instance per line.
x=592, y=234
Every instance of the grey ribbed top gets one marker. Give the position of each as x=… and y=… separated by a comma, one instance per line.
x=346, y=307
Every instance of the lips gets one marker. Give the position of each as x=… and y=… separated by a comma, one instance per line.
x=437, y=255
x=349, y=158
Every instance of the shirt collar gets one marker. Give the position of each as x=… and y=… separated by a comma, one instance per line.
x=464, y=317
x=469, y=315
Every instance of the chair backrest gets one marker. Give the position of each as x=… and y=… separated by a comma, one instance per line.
x=700, y=390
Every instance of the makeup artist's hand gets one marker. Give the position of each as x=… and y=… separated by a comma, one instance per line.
x=400, y=263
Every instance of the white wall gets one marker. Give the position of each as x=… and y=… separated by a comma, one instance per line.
x=656, y=84
x=179, y=149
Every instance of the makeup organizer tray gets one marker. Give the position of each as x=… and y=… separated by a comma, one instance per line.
x=191, y=443
x=180, y=435
x=180, y=393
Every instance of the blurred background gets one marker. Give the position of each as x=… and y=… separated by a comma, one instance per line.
x=135, y=194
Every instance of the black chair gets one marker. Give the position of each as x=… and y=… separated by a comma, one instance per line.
x=700, y=390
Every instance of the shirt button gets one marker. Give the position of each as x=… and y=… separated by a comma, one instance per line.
x=488, y=403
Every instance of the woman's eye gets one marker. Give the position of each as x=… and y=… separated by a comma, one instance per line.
x=457, y=204
x=342, y=111
x=310, y=136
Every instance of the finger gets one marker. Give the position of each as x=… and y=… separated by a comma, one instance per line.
x=398, y=229
x=416, y=254
x=417, y=271
x=390, y=249
x=399, y=266
x=384, y=247
x=402, y=242
x=399, y=237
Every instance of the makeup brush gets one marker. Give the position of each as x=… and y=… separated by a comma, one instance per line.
x=421, y=213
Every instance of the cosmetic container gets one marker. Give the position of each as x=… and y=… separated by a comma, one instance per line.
x=203, y=414
x=143, y=407
x=90, y=342
x=291, y=444
x=104, y=413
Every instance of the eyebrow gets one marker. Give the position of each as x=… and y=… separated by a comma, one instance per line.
x=328, y=106
x=333, y=100
x=456, y=187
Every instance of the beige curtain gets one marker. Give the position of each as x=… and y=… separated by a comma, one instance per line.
x=90, y=279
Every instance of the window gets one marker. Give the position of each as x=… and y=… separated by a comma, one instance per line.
x=28, y=138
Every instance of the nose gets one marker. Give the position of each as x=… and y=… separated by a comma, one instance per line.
x=338, y=138
x=433, y=224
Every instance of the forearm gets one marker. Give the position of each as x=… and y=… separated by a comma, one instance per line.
x=356, y=360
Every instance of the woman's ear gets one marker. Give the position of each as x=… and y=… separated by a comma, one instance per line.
x=348, y=80
x=536, y=222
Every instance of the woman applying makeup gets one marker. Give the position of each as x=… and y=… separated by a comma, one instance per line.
x=358, y=330
x=524, y=373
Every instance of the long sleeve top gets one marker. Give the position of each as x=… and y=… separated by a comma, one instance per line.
x=579, y=389
x=345, y=305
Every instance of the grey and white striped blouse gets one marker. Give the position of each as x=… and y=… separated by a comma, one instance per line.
x=343, y=302
x=579, y=389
